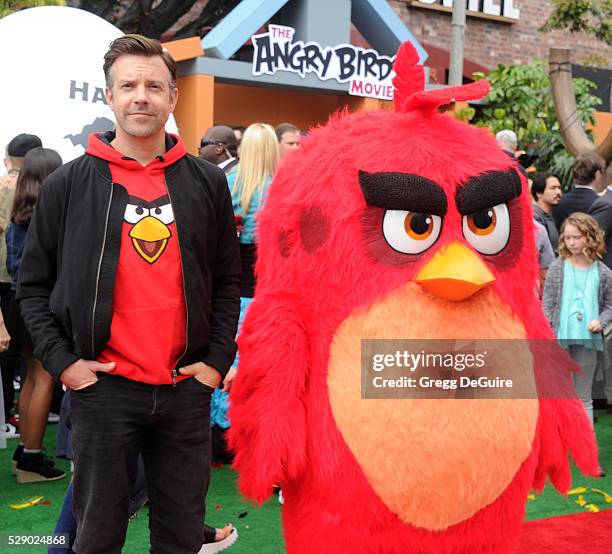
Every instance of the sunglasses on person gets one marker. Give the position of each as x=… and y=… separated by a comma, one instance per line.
x=204, y=143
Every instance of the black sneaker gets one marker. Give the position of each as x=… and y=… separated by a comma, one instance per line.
x=16, y=455
x=34, y=468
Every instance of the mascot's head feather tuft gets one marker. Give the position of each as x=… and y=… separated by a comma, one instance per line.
x=409, y=83
x=409, y=75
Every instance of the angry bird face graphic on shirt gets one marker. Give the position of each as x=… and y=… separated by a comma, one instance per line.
x=150, y=232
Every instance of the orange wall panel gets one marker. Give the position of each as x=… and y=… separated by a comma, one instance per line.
x=194, y=111
x=184, y=49
x=242, y=105
x=203, y=103
x=603, y=125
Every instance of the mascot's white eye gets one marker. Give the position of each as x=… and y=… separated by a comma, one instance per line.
x=133, y=213
x=411, y=232
x=488, y=230
x=163, y=213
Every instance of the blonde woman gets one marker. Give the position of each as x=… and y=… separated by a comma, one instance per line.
x=578, y=298
x=248, y=184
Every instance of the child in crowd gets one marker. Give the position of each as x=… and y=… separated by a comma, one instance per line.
x=578, y=298
x=29, y=463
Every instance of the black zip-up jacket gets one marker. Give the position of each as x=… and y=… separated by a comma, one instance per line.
x=67, y=273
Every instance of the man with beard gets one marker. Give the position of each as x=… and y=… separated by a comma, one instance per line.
x=546, y=192
x=130, y=288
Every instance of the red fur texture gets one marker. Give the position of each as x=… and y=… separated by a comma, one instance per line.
x=321, y=258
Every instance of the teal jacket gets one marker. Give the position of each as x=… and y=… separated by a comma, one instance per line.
x=249, y=234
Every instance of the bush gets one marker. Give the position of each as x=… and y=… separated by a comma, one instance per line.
x=521, y=100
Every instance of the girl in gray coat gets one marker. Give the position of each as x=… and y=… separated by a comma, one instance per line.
x=578, y=298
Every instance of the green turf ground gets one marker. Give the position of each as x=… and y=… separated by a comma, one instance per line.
x=259, y=528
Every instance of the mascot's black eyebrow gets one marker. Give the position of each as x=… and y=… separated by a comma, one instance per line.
x=403, y=191
x=149, y=205
x=487, y=190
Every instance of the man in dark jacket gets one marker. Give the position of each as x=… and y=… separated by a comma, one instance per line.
x=546, y=192
x=129, y=285
x=601, y=210
x=588, y=183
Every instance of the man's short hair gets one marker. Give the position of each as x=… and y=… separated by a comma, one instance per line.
x=224, y=134
x=586, y=167
x=285, y=128
x=508, y=136
x=22, y=144
x=137, y=45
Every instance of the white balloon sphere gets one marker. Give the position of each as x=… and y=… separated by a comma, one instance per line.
x=52, y=79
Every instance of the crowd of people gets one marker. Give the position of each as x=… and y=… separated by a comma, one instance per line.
x=28, y=165
x=573, y=233
x=146, y=222
x=249, y=159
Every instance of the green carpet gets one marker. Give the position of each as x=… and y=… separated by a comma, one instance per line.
x=550, y=503
x=259, y=528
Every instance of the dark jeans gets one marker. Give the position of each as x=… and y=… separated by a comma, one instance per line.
x=221, y=454
x=66, y=524
x=248, y=254
x=9, y=359
x=115, y=420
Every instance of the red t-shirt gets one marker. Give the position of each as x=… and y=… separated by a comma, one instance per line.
x=148, y=327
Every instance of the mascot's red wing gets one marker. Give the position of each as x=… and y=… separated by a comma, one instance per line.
x=563, y=425
x=562, y=429
x=267, y=410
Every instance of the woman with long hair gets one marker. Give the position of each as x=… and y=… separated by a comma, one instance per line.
x=248, y=184
x=37, y=391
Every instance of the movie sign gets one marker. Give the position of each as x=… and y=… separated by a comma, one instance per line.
x=367, y=72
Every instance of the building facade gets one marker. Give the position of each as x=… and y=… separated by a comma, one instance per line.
x=224, y=88
x=495, y=40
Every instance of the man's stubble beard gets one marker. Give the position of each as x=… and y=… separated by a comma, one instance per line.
x=141, y=130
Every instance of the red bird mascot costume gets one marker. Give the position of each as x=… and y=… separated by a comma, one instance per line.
x=396, y=225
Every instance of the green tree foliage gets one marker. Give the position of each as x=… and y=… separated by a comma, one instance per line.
x=593, y=17
x=155, y=18
x=9, y=6
x=160, y=19
x=521, y=100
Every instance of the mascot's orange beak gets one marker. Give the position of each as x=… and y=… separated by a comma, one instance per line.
x=455, y=273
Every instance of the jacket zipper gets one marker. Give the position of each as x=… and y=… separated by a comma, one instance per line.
x=93, y=312
x=174, y=371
